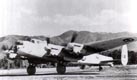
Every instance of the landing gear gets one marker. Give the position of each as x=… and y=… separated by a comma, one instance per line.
x=61, y=69
x=82, y=67
x=31, y=70
x=100, y=68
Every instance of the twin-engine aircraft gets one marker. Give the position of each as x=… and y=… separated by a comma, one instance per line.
x=42, y=52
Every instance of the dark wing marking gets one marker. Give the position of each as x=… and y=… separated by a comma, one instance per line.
x=94, y=47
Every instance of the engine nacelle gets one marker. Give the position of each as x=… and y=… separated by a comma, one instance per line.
x=12, y=55
x=76, y=47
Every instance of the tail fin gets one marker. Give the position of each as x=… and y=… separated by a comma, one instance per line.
x=124, y=55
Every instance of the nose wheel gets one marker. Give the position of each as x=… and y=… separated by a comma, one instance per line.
x=31, y=70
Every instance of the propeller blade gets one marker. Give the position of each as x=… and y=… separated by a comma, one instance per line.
x=48, y=40
x=73, y=37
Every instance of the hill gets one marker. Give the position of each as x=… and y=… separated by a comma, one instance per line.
x=86, y=36
x=70, y=36
x=7, y=42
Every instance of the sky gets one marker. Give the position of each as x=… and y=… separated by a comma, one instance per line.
x=53, y=17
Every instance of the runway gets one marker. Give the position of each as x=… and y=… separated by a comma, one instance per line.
x=73, y=73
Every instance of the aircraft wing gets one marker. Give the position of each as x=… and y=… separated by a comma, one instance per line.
x=99, y=46
x=115, y=60
x=101, y=63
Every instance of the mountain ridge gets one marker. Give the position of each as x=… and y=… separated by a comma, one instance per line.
x=69, y=36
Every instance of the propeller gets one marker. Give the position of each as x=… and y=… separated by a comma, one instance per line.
x=73, y=37
x=48, y=40
x=6, y=47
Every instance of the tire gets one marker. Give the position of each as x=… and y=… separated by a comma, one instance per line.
x=61, y=69
x=82, y=67
x=31, y=70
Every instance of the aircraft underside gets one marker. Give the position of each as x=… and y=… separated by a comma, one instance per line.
x=60, y=68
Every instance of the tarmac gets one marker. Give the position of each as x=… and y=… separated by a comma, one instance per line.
x=74, y=73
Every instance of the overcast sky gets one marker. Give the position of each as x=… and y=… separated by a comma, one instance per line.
x=53, y=17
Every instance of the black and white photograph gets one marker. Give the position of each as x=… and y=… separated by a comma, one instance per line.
x=68, y=39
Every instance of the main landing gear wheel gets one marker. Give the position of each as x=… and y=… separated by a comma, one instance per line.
x=100, y=68
x=31, y=70
x=61, y=69
x=82, y=67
